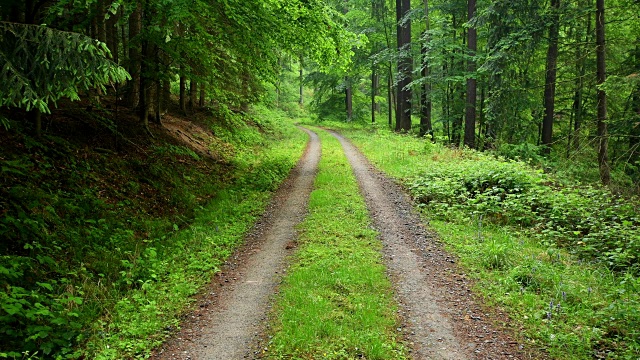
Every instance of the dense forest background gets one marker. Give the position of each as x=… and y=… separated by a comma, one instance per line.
x=86, y=86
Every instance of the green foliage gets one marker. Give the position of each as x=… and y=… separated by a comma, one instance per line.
x=590, y=221
x=61, y=64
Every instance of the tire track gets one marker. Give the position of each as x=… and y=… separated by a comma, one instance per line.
x=232, y=314
x=442, y=319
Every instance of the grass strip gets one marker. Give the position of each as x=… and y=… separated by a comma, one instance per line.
x=572, y=309
x=177, y=266
x=336, y=302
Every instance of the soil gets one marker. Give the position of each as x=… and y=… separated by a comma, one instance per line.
x=441, y=318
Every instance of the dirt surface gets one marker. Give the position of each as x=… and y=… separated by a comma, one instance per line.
x=230, y=315
x=442, y=319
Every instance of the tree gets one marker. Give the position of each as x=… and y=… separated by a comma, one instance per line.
x=470, y=114
x=405, y=65
x=603, y=139
x=426, y=128
x=61, y=66
x=550, y=77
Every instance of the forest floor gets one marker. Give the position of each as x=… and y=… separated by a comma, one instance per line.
x=441, y=318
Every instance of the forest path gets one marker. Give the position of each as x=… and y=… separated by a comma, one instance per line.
x=232, y=311
x=441, y=319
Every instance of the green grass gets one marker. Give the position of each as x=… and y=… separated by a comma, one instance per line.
x=559, y=298
x=335, y=302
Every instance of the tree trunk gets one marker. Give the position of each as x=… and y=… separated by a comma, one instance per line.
x=390, y=96
x=202, y=94
x=634, y=133
x=375, y=83
x=426, y=127
x=603, y=136
x=135, y=26
x=166, y=96
x=183, y=90
x=348, y=99
x=405, y=66
x=470, y=113
x=550, y=78
x=193, y=93
x=301, y=81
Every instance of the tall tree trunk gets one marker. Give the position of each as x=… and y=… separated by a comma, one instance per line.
x=101, y=12
x=634, y=133
x=375, y=84
x=550, y=78
x=202, y=94
x=124, y=37
x=301, y=81
x=348, y=99
x=112, y=36
x=603, y=136
x=193, y=93
x=166, y=96
x=405, y=66
x=390, y=96
x=470, y=113
x=135, y=26
x=183, y=90
x=426, y=127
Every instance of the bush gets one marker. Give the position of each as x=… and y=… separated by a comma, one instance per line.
x=589, y=221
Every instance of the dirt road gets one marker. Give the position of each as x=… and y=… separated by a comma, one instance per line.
x=230, y=315
x=441, y=318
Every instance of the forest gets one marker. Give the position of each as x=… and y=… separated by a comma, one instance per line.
x=140, y=140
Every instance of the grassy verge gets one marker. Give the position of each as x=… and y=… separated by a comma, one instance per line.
x=335, y=302
x=537, y=250
x=101, y=249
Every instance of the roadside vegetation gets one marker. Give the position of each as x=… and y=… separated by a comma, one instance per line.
x=561, y=260
x=336, y=301
x=102, y=250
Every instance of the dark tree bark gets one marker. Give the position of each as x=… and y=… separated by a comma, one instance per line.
x=348, y=99
x=193, y=93
x=301, y=81
x=405, y=66
x=113, y=41
x=550, y=78
x=183, y=90
x=470, y=113
x=390, y=96
x=135, y=26
x=634, y=133
x=603, y=136
x=426, y=127
x=375, y=84
x=202, y=94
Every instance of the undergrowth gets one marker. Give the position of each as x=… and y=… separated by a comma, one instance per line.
x=101, y=249
x=335, y=302
x=563, y=259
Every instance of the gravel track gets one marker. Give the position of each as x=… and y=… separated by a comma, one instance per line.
x=440, y=316
x=442, y=320
x=231, y=314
